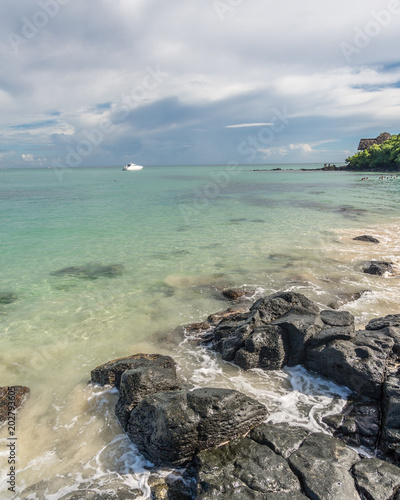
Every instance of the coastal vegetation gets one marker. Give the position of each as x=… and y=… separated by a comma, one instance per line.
x=383, y=157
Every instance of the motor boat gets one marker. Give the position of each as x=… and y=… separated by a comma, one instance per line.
x=132, y=166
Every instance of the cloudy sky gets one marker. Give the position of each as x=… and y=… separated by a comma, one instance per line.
x=105, y=82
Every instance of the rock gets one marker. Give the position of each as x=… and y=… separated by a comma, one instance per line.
x=140, y=382
x=367, y=238
x=272, y=334
x=11, y=398
x=379, y=268
x=7, y=297
x=235, y=294
x=390, y=438
x=323, y=463
x=337, y=318
x=345, y=298
x=376, y=479
x=91, y=271
x=110, y=373
x=170, y=428
x=283, y=439
x=392, y=320
x=359, y=364
x=358, y=424
x=243, y=469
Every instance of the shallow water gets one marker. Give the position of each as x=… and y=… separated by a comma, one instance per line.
x=177, y=235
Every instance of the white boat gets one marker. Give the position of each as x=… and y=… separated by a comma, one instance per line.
x=132, y=166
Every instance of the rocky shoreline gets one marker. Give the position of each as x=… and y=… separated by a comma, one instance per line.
x=218, y=442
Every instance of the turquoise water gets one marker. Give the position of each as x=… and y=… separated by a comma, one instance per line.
x=176, y=236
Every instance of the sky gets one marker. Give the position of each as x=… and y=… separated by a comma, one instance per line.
x=195, y=82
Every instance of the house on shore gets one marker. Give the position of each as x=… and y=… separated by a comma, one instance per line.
x=367, y=143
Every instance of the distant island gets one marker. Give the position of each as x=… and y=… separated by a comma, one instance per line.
x=381, y=154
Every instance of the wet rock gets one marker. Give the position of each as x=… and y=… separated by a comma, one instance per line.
x=392, y=320
x=170, y=428
x=345, y=298
x=283, y=439
x=359, y=364
x=376, y=479
x=7, y=297
x=358, y=424
x=235, y=294
x=390, y=439
x=337, y=318
x=11, y=398
x=110, y=373
x=140, y=382
x=367, y=238
x=379, y=268
x=323, y=463
x=91, y=271
x=243, y=469
x=273, y=333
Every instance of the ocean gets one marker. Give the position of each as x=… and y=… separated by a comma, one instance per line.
x=106, y=264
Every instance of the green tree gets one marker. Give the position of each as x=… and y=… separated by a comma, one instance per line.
x=382, y=157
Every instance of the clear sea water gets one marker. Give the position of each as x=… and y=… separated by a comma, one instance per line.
x=181, y=234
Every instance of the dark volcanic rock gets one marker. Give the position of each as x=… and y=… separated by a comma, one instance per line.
x=392, y=320
x=379, y=268
x=11, y=398
x=91, y=271
x=283, y=439
x=170, y=428
x=375, y=479
x=359, y=364
x=323, y=463
x=367, y=238
x=110, y=373
x=358, y=424
x=7, y=297
x=244, y=469
x=272, y=334
x=390, y=439
x=141, y=382
x=236, y=294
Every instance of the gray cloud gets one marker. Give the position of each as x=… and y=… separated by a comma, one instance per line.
x=159, y=82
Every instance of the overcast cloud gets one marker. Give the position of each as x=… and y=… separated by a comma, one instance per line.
x=105, y=82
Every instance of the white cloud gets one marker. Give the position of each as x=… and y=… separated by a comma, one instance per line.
x=261, y=57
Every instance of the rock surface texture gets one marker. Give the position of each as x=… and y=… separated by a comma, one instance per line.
x=11, y=398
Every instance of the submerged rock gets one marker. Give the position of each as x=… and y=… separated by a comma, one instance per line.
x=91, y=271
x=346, y=298
x=367, y=238
x=169, y=428
x=379, y=268
x=11, y=398
x=7, y=297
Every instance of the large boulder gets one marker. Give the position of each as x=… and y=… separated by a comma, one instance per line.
x=359, y=364
x=110, y=373
x=169, y=428
x=244, y=469
x=11, y=398
x=140, y=382
x=390, y=437
x=323, y=464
